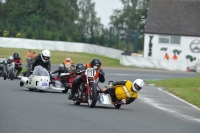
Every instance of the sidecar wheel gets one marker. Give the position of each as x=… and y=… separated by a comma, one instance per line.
x=92, y=97
x=117, y=106
x=66, y=90
x=77, y=103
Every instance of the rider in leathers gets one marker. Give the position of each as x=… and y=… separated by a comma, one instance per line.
x=61, y=69
x=42, y=59
x=125, y=91
x=18, y=63
x=95, y=63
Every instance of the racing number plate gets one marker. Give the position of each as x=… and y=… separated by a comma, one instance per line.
x=44, y=84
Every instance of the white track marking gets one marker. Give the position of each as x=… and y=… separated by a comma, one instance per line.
x=179, y=99
x=171, y=111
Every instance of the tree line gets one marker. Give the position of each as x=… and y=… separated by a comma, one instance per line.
x=73, y=21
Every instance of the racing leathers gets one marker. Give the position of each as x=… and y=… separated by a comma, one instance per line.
x=122, y=90
x=18, y=64
x=38, y=61
x=60, y=71
x=77, y=81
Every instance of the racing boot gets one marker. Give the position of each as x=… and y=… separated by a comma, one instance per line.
x=71, y=96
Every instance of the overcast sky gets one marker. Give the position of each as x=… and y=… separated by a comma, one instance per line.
x=104, y=9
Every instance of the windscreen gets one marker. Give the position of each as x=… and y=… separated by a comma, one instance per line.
x=40, y=71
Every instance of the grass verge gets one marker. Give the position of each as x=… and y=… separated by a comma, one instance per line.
x=58, y=57
x=185, y=88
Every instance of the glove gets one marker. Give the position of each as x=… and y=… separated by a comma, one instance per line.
x=109, y=86
x=102, y=72
x=124, y=101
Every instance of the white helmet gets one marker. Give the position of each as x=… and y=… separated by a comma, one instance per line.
x=10, y=58
x=45, y=56
x=138, y=85
x=68, y=59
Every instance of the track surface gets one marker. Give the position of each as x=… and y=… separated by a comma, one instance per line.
x=155, y=111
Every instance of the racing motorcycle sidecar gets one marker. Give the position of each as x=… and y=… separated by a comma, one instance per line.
x=40, y=80
x=103, y=98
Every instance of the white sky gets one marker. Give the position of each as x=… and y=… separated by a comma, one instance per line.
x=104, y=9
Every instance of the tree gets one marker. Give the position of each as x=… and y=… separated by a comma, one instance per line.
x=128, y=20
x=88, y=22
x=46, y=19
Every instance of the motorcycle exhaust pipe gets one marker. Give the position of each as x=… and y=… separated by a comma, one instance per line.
x=24, y=80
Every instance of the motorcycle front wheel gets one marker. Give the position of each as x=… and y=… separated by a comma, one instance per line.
x=92, y=97
x=11, y=75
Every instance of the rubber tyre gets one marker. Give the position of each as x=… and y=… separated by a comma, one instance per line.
x=66, y=90
x=4, y=77
x=117, y=106
x=11, y=75
x=92, y=97
x=77, y=103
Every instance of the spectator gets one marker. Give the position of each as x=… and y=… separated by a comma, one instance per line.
x=166, y=56
x=34, y=55
x=68, y=63
x=28, y=58
x=175, y=57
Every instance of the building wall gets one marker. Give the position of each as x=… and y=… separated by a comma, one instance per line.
x=187, y=47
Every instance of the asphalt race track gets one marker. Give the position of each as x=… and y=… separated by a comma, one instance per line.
x=155, y=111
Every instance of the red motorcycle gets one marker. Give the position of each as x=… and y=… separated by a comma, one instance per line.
x=66, y=79
x=87, y=91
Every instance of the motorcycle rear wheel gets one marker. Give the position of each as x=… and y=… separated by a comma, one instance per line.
x=92, y=97
x=77, y=103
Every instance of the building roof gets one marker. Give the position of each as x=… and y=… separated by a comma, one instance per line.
x=175, y=17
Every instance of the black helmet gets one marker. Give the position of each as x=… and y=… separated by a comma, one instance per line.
x=80, y=66
x=61, y=67
x=96, y=63
x=15, y=55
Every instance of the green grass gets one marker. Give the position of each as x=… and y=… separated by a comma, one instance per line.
x=58, y=57
x=185, y=88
